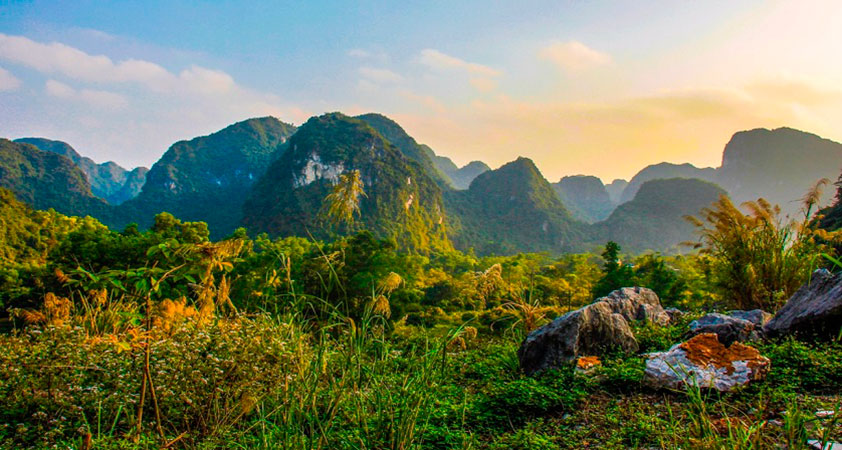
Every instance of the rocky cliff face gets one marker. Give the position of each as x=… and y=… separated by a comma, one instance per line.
x=779, y=165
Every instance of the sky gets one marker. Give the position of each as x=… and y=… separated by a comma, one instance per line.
x=580, y=87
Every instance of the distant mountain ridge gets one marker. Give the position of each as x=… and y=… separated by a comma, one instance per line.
x=654, y=218
x=108, y=180
x=512, y=209
x=47, y=180
x=460, y=177
x=273, y=177
x=209, y=177
x=585, y=196
x=665, y=170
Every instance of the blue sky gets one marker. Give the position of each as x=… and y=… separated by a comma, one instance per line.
x=601, y=88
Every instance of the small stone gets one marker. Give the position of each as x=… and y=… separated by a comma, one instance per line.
x=823, y=414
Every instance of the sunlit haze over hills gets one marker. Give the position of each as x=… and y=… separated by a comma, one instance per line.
x=602, y=88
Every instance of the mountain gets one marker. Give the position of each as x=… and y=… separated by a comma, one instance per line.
x=779, y=165
x=47, y=180
x=460, y=177
x=615, y=190
x=654, y=218
x=585, y=196
x=402, y=201
x=663, y=171
x=509, y=210
x=208, y=178
x=108, y=180
x=421, y=154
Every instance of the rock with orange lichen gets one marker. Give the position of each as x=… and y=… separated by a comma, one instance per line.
x=703, y=361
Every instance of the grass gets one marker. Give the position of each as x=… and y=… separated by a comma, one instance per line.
x=288, y=383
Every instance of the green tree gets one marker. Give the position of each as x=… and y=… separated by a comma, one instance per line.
x=615, y=274
x=344, y=201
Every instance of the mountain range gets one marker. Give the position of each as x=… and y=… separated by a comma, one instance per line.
x=270, y=176
x=108, y=180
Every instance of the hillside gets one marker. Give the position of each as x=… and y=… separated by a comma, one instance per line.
x=208, y=178
x=47, y=180
x=421, y=154
x=654, y=219
x=585, y=196
x=108, y=180
x=663, y=171
x=779, y=165
x=512, y=209
x=402, y=201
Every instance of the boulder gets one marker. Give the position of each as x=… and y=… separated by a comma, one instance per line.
x=815, y=310
x=637, y=303
x=756, y=316
x=704, y=362
x=729, y=329
x=593, y=330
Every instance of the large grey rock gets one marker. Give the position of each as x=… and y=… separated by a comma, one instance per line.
x=814, y=310
x=637, y=303
x=728, y=329
x=593, y=330
x=704, y=362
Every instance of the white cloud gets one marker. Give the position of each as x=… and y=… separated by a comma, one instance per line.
x=58, y=58
x=484, y=84
x=573, y=56
x=440, y=61
x=207, y=81
x=380, y=75
x=8, y=82
x=93, y=97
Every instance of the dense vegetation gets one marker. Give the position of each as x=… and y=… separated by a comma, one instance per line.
x=143, y=339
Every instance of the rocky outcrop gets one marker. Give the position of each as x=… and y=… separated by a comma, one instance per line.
x=704, y=362
x=815, y=310
x=734, y=327
x=756, y=316
x=594, y=330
